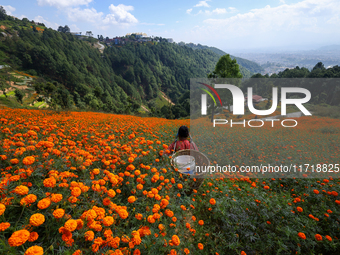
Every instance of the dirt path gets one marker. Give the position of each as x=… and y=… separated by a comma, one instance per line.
x=144, y=108
x=166, y=98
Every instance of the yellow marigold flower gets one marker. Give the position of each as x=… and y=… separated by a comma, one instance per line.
x=2, y=209
x=71, y=225
x=28, y=160
x=89, y=235
x=131, y=199
x=18, y=237
x=4, y=226
x=33, y=236
x=58, y=213
x=34, y=250
x=44, y=203
x=21, y=190
x=37, y=219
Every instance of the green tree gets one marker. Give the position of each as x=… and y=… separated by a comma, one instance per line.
x=225, y=68
x=3, y=14
x=4, y=86
x=19, y=94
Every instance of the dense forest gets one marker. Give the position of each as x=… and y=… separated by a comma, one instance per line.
x=246, y=66
x=73, y=73
x=324, y=89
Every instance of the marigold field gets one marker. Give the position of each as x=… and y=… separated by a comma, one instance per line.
x=93, y=183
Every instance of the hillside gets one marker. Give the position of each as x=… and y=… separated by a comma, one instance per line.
x=246, y=66
x=72, y=73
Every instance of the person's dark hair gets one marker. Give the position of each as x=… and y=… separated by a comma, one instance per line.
x=183, y=132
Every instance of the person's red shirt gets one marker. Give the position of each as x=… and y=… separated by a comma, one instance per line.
x=182, y=145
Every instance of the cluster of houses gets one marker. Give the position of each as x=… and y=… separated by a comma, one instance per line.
x=135, y=37
x=130, y=37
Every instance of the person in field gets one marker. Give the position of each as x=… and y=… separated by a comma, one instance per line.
x=182, y=143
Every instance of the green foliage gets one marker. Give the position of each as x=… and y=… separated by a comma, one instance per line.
x=19, y=94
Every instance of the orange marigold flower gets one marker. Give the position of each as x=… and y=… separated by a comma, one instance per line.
x=19, y=237
x=173, y=252
x=29, y=199
x=318, y=237
x=212, y=201
x=4, y=226
x=201, y=222
x=334, y=193
x=200, y=246
x=243, y=253
x=132, y=199
x=2, y=209
x=50, y=182
x=299, y=209
x=316, y=191
x=55, y=198
x=266, y=187
x=33, y=236
x=28, y=160
x=76, y=192
x=108, y=221
x=302, y=235
x=123, y=214
x=44, y=203
x=21, y=190
x=180, y=186
x=37, y=219
x=111, y=193
x=139, y=216
x=89, y=235
x=175, y=240
x=34, y=250
x=71, y=225
x=58, y=213
x=329, y=211
x=14, y=161
x=268, y=222
x=186, y=251
x=329, y=238
x=151, y=219
x=77, y=252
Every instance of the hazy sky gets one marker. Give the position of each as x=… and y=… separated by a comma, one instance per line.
x=228, y=25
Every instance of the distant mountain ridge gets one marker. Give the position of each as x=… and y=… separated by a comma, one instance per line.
x=330, y=47
x=250, y=65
